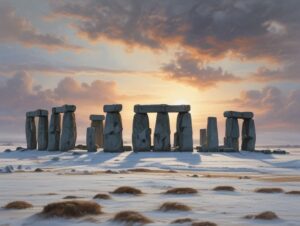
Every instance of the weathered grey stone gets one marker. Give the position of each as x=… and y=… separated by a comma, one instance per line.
x=97, y=117
x=30, y=129
x=184, y=132
x=141, y=133
x=65, y=108
x=98, y=125
x=161, y=108
x=112, y=108
x=212, y=134
x=232, y=134
x=176, y=143
x=37, y=113
x=43, y=133
x=162, y=132
x=91, y=139
x=203, y=137
x=236, y=114
x=248, y=135
x=69, y=132
x=54, y=132
x=113, y=133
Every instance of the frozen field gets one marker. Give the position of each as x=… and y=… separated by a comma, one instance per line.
x=86, y=174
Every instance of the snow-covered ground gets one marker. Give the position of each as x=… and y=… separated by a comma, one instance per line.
x=85, y=174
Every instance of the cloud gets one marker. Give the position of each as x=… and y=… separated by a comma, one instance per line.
x=274, y=109
x=192, y=71
x=17, y=29
x=211, y=28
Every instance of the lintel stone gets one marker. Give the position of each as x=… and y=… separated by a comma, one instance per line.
x=112, y=108
x=97, y=117
x=37, y=113
x=236, y=114
x=64, y=109
x=163, y=108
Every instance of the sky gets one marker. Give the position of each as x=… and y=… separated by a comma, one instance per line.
x=215, y=55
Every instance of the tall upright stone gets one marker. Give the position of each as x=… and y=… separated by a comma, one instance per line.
x=212, y=134
x=248, y=135
x=43, y=132
x=91, y=139
x=54, y=131
x=203, y=138
x=162, y=132
x=184, y=132
x=113, y=129
x=141, y=133
x=30, y=129
x=232, y=134
x=97, y=123
x=69, y=129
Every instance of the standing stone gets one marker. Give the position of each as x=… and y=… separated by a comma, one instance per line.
x=30, y=133
x=248, y=135
x=203, y=137
x=113, y=138
x=232, y=134
x=162, y=132
x=54, y=132
x=184, y=131
x=69, y=132
x=43, y=133
x=97, y=123
x=91, y=139
x=141, y=133
x=176, y=142
x=212, y=134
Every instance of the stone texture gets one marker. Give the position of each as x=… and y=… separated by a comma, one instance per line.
x=98, y=125
x=91, y=139
x=30, y=129
x=43, y=133
x=69, y=132
x=161, y=108
x=212, y=134
x=176, y=143
x=203, y=137
x=162, y=132
x=37, y=113
x=64, y=109
x=248, y=135
x=184, y=132
x=112, y=108
x=113, y=137
x=54, y=132
x=97, y=117
x=236, y=114
x=232, y=134
x=141, y=133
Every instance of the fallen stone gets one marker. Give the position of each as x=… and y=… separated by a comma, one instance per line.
x=161, y=108
x=112, y=108
x=236, y=114
x=279, y=152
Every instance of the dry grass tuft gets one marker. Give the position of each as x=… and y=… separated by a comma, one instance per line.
x=204, y=223
x=18, y=205
x=269, y=190
x=181, y=221
x=102, y=196
x=181, y=191
x=268, y=215
x=71, y=209
x=131, y=217
x=293, y=193
x=71, y=197
x=145, y=170
x=224, y=188
x=174, y=206
x=127, y=190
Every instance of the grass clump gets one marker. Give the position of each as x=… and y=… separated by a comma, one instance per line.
x=204, y=223
x=174, y=206
x=181, y=191
x=224, y=188
x=293, y=193
x=127, y=190
x=71, y=209
x=18, y=205
x=102, y=196
x=267, y=215
x=269, y=190
x=131, y=217
x=181, y=221
x=71, y=197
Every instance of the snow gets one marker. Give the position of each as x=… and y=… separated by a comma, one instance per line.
x=83, y=174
